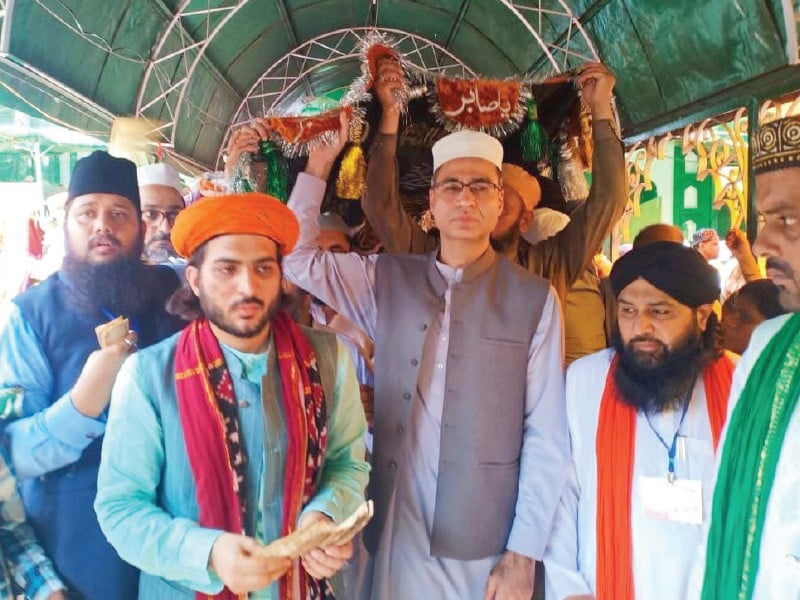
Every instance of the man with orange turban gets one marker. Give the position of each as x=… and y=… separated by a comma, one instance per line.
x=236, y=431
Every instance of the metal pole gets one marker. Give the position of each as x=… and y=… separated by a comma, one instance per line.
x=753, y=106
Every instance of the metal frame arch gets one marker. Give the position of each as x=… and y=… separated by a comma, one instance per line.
x=535, y=6
x=335, y=39
x=175, y=28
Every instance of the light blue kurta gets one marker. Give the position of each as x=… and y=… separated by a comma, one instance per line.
x=146, y=497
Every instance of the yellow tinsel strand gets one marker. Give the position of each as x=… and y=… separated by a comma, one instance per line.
x=352, y=177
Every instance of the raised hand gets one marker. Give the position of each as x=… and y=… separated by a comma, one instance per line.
x=244, y=139
x=321, y=159
x=389, y=82
x=596, y=83
x=92, y=391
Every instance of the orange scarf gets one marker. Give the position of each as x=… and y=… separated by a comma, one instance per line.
x=615, y=449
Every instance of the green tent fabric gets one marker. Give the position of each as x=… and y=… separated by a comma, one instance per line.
x=198, y=64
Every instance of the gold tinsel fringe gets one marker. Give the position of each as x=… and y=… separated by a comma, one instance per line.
x=352, y=177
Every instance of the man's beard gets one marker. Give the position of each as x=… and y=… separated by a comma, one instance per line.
x=507, y=241
x=788, y=298
x=654, y=384
x=216, y=315
x=156, y=253
x=117, y=287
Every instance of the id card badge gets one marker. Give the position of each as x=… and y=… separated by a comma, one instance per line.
x=680, y=501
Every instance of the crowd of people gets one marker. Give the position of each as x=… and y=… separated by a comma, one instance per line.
x=527, y=424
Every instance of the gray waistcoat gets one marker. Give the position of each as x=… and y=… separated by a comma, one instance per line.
x=494, y=313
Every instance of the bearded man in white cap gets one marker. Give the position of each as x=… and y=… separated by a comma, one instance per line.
x=162, y=200
x=470, y=443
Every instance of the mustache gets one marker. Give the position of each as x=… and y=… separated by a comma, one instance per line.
x=159, y=237
x=645, y=338
x=776, y=264
x=248, y=300
x=104, y=238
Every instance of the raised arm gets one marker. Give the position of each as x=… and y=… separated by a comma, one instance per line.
x=573, y=248
x=343, y=281
x=739, y=246
x=381, y=200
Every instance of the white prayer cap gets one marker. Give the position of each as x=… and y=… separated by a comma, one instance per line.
x=329, y=221
x=159, y=174
x=467, y=144
x=546, y=223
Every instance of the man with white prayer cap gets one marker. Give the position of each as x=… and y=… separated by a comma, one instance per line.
x=470, y=446
x=162, y=200
x=564, y=259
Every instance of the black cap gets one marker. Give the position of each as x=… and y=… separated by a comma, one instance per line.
x=673, y=268
x=101, y=173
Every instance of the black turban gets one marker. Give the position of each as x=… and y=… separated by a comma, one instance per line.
x=101, y=173
x=676, y=270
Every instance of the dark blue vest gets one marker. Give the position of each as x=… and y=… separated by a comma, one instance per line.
x=59, y=504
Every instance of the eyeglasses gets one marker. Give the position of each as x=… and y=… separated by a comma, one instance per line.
x=453, y=187
x=152, y=216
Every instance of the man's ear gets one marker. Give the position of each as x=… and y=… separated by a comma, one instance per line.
x=193, y=279
x=703, y=313
x=525, y=220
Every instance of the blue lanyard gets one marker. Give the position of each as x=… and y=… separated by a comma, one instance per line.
x=672, y=448
x=111, y=316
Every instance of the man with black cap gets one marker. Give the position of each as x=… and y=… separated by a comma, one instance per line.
x=49, y=350
x=753, y=546
x=645, y=419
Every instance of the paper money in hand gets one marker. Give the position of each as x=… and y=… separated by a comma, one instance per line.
x=319, y=535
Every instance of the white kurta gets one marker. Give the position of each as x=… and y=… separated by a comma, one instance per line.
x=663, y=551
x=778, y=576
x=404, y=568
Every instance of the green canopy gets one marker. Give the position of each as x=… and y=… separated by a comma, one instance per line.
x=201, y=65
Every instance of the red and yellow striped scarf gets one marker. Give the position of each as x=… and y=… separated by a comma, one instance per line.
x=218, y=460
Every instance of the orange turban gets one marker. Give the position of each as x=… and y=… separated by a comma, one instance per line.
x=248, y=214
x=522, y=182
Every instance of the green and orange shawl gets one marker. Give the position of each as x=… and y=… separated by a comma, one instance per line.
x=218, y=460
x=615, y=448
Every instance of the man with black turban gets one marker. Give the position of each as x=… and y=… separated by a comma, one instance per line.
x=645, y=419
